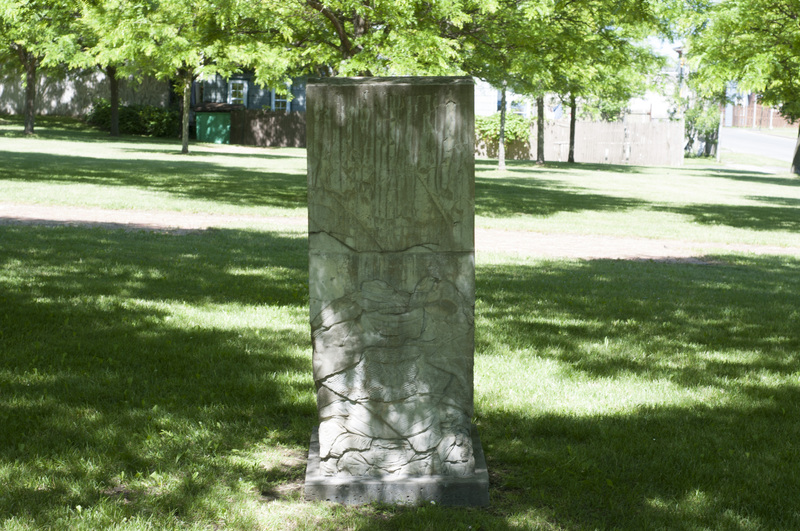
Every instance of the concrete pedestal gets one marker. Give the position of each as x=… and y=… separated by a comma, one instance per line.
x=392, y=288
x=472, y=490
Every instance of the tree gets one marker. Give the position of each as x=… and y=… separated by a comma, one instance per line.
x=176, y=40
x=90, y=50
x=597, y=51
x=754, y=43
x=611, y=72
x=183, y=40
x=373, y=37
x=702, y=121
x=33, y=32
x=496, y=46
x=540, y=129
x=576, y=48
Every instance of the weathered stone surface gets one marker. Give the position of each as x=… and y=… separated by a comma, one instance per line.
x=391, y=191
x=391, y=166
x=421, y=488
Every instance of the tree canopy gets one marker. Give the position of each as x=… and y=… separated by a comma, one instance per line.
x=576, y=48
x=177, y=40
x=755, y=43
x=183, y=40
x=375, y=37
x=35, y=33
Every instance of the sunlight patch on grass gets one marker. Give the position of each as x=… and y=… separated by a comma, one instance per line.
x=698, y=505
x=729, y=157
x=534, y=386
x=641, y=224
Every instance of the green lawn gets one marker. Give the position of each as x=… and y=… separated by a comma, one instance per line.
x=786, y=132
x=748, y=160
x=163, y=381
x=65, y=166
x=702, y=201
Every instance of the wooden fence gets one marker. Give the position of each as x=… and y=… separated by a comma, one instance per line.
x=641, y=144
x=645, y=144
x=761, y=117
x=266, y=128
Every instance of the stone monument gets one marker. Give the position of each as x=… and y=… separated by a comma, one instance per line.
x=392, y=291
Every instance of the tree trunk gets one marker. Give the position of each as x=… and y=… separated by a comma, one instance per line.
x=30, y=62
x=186, y=83
x=540, y=130
x=572, y=114
x=796, y=158
x=501, y=143
x=710, y=146
x=113, y=84
x=721, y=122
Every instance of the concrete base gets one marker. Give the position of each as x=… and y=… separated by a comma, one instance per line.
x=443, y=490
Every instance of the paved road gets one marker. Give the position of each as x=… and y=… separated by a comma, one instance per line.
x=740, y=140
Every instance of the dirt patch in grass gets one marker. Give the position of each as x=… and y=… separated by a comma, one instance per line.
x=153, y=220
x=524, y=243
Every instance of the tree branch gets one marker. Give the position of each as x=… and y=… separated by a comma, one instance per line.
x=346, y=46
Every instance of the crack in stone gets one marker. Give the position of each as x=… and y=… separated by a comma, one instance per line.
x=352, y=215
x=331, y=236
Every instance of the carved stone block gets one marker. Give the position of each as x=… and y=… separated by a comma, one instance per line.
x=391, y=260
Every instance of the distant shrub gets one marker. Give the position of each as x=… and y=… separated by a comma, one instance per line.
x=147, y=120
x=160, y=122
x=100, y=114
x=487, y=128
x=702, y=126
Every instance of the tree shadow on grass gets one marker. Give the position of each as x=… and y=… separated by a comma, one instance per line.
x=124, y=356
x=54, y=128
x=495, y=197
x=71, y=130
x=783, y=201
x=764, y=218
x=682, y=312
x=187, y=178
x=656, y=468
x=61, y=128
x=232, y=151
x=112, y=369
x=531, y=167
x=753, y=177
x=730, y=329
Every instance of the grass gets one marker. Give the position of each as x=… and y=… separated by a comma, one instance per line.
x=786, y=132
x=750, y=160
x=64, y=164
x=148, y=376
x=702, y=202
x=163, y=381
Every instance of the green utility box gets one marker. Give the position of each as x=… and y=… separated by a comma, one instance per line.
x=214, y=127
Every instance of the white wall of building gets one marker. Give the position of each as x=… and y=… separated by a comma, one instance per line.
x=485, y=98
x=72, y=94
